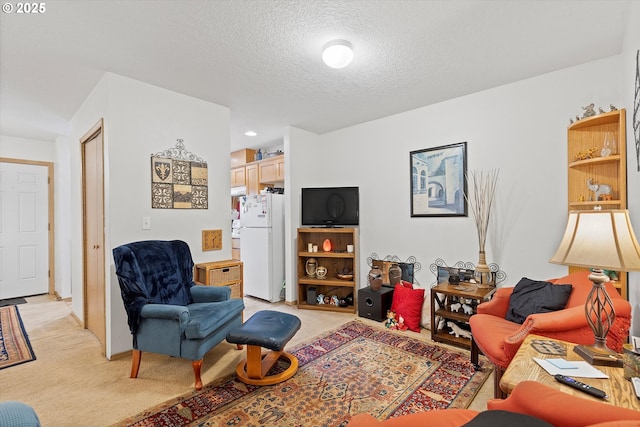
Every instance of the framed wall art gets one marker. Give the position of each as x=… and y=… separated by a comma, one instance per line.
x=438, y=183
x=179, y=180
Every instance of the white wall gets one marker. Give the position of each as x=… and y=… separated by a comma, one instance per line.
x=141, y=120
x=630, y=48
x=519, y=128
x=27, y=149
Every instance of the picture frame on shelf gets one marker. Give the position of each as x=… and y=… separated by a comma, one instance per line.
x=438, y=183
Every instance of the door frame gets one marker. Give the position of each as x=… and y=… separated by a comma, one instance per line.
x=51, y=217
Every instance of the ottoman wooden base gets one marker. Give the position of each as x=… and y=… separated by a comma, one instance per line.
x=254, y=369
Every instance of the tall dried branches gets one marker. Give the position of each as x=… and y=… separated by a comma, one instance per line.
x=480, y=196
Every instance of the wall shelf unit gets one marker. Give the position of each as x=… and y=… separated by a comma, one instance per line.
x=338, y=260
x=588, y=135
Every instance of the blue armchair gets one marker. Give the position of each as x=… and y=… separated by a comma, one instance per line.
x=167, y=312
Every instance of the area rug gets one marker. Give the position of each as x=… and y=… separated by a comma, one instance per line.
x=12, y=301
x=15, y=347
x=356, y=368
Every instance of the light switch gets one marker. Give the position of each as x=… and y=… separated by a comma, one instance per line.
x=146, y=223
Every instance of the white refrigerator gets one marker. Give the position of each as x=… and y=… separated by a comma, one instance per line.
x=262, y=243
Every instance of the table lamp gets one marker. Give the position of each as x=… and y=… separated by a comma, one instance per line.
x=599, y=240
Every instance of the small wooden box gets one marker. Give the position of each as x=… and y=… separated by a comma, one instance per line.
x=221, y=273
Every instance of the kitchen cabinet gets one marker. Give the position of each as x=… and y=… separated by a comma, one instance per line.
x=238, y=176
x=271, y=170
x=252, y=179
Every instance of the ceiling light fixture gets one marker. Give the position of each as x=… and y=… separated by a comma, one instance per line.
x=337, y=53
x=250, y=133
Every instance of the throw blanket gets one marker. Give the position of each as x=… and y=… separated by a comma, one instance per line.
x=153, y=272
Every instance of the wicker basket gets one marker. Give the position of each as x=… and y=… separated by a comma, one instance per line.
x=224, y=275
x=236, y=290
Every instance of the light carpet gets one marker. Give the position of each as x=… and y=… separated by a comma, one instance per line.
x=356, y=368
x=15, y=347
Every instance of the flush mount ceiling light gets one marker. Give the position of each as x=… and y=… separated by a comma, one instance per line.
x=250, y=133
x=337, y=53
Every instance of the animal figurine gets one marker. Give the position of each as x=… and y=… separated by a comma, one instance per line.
x=589, y=111
x=598, y=189
x=456, y=307
x=467, y=309
x=458, y=331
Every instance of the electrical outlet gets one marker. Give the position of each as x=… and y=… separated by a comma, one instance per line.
x=146, y=223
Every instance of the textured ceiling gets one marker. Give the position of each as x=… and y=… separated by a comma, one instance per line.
x=262, y=58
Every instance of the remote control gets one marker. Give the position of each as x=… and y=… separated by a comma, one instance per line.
x=636, y=386
x=586, y=388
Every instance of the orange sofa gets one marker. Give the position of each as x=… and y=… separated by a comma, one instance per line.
x=499, y=339
x=528, y=398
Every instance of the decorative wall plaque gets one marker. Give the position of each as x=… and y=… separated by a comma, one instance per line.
x=179, y=179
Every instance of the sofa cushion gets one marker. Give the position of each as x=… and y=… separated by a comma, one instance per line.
x=408, y=304
x=536, y=296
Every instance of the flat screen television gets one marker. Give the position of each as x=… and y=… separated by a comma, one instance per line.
x=330, y=206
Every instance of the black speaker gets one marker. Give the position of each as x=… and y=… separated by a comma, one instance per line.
x=374, y=304
x=311, y=295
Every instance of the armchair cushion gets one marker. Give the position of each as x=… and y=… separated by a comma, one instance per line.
x=204, y=318
x=536, y=296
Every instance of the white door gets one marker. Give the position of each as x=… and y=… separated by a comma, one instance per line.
x=24, y=224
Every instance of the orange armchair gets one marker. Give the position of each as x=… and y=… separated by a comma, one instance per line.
x=499, y=339
x=528, y=398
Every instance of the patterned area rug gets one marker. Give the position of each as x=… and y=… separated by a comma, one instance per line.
x=357, y=368
x=15, y=347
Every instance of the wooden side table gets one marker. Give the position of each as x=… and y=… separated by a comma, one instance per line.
x=221, y=273
x=446, y=296
x=524, y=368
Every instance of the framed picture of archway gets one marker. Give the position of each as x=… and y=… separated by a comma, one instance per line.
x=438, y=183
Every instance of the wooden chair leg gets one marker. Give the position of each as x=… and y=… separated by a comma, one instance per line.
x=197, y=367
x=136, y=356
x=474, y=354
x=497, y=376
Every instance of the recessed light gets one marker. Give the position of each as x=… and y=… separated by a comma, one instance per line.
x=337, y=53
x=250, y=133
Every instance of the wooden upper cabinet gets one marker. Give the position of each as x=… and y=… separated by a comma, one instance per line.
x=237, y=176
x=251, y=179
x=271, y=170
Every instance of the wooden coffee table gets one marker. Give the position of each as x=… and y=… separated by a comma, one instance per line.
x=524, y=368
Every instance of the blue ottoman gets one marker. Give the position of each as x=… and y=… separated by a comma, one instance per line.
x=266, y=329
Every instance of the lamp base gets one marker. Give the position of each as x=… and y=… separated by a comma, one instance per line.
x=597, y=356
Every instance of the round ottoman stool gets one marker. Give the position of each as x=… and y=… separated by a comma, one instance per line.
x=266, y=329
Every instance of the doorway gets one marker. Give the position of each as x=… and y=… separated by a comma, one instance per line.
x=93, y=232
x=26, y=237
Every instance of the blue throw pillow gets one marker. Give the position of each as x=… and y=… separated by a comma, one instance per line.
x=536, y=296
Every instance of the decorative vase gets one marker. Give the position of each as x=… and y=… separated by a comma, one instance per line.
x=482, y=273
x=375, y=279
x=395, y=274
x=310, y=267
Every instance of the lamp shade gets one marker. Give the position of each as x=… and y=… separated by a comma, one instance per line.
x=601, y=239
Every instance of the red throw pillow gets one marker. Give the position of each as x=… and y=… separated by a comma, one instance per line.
x=406, y=284
x=408, y=304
